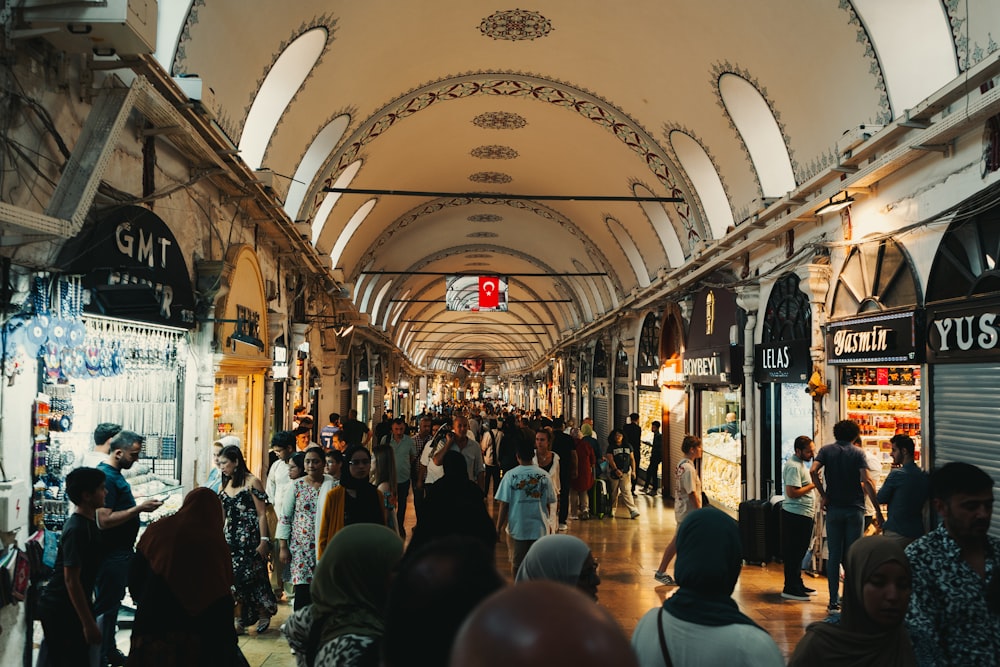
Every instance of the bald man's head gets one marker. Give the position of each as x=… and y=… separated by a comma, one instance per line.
x=541, y=623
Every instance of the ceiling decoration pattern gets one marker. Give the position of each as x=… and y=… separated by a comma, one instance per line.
x=485, y=217
x=874, y=66
x=560, y=94
x=493, y=177
x=368, y=258
x=969, y=53
x=674, y=127
x=494, y=152
x=482, y=235
x=515, y=25
x=500, y=120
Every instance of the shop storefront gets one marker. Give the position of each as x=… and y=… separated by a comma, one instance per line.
x=113, y=347
x=673, y=392
x=712, y=368
x=601, y=395
x=963, y=346
x=622, y=388
x=879, y=359
x=782, y=366
x=243, y=359
x=877, y=343
x=647, y=369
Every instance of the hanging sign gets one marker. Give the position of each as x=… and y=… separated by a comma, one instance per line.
x=964, y=332
x=782, y=361
x=714, y=354
x=893, y=337
x=134, y=268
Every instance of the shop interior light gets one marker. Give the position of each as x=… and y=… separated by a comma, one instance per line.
x=835, y=204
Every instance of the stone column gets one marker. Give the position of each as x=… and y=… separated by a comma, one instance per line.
x=814, y=280
x=748, y=298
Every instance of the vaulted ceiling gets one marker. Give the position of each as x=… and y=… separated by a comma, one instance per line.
x=721, y=104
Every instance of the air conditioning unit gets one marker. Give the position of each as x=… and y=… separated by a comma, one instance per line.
x=273, y=183
x=201, y=96
x=108, y=27
x=854, y=137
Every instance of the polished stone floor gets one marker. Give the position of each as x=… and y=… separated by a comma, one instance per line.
x=629, y=552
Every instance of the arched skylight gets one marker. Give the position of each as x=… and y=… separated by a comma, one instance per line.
x=315, y=156
x=399, y=308
x=631, y=252
x=351, y=227
x=664, y=227
x=170, y=17
x=706, y=182
x=913, y=68
x=282, y=82
x=756, y=124
x=378, y=300
x=331, y=198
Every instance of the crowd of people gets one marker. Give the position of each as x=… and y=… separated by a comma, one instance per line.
x=331, y=541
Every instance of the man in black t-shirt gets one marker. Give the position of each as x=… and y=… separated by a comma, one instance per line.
x=66, y=605
x=633, y=435
x=354, y=431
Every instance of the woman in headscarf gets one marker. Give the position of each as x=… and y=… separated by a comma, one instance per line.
x=181, y=580
x=563, y=558
x=344, y=624
x=701, y=623
x=870, y=630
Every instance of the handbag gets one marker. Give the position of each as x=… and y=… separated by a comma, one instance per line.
x=704, y=500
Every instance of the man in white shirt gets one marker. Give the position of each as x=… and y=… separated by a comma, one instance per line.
x=461, y=440
x=283, y=446
x=687, y=498
x=102, y=444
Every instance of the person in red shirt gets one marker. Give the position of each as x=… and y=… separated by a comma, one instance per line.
x=582, y=477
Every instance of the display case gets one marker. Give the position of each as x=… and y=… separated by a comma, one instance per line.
x=884, y=401
x=720, y=470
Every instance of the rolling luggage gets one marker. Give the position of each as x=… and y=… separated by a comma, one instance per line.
x=774, y=531
x=753, y=519
x=600, y=500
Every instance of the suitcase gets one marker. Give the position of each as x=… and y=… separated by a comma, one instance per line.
x=600, y=500
x=774, y=532
x=753, y=519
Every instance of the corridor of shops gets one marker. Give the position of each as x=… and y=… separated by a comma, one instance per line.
x=228, y=224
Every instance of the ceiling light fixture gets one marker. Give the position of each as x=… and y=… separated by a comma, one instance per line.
x=835, y=204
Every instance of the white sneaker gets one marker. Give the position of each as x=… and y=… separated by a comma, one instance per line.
x=563, y=528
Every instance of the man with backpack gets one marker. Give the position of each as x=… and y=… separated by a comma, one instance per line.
x=490, y=444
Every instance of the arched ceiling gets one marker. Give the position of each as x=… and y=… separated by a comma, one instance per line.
x=566, y=97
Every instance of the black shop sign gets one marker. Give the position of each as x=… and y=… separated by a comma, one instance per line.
x=134, y=268
x=964, y=332
x=783, y=361
x=876, y=339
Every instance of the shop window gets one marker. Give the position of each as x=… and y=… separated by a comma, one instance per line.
x=876, y=276
x=966, y=260
x=788, y=315
x=649, y=343
x=621, y=363
x=600, y=361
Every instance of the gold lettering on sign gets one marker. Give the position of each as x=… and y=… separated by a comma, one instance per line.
x=709, y=313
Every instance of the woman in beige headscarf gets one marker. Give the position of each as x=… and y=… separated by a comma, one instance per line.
x=870, y=631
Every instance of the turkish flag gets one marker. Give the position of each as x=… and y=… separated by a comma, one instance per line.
x=489, y=292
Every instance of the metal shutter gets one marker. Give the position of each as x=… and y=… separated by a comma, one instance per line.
x=965, y=411
x=601, y=421
x=676, y=407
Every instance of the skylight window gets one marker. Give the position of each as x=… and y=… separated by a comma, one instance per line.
x=630, y=250
x=351, y=227
x=707, y=183
x=282, y=82
x=761, y=134
x=664, y=227
x=315, y=156
x=343, y=181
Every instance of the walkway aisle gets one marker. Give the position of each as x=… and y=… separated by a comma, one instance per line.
x=629, y=552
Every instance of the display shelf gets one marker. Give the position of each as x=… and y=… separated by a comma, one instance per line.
x=883, y=412
x=886, y=387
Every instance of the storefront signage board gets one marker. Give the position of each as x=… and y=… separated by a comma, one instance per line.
x=876, y=339
x=784, y=361
x=964, y=332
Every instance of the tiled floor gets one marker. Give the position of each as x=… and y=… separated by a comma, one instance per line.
x=629, y=552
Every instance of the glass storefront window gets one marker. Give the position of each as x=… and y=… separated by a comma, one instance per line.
x=721, y=443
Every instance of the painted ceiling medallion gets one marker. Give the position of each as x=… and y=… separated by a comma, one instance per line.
x=482, y=235
x=515, y=25
x=499, y=120
x=485, y=217
x=490, y=177
x=494, y=152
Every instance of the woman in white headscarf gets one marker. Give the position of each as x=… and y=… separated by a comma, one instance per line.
x=564, y=559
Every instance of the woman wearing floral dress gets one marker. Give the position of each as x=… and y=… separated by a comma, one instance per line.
x=298, y=518
x=243, y=501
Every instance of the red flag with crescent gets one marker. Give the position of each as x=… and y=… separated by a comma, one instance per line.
x=489, y=292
